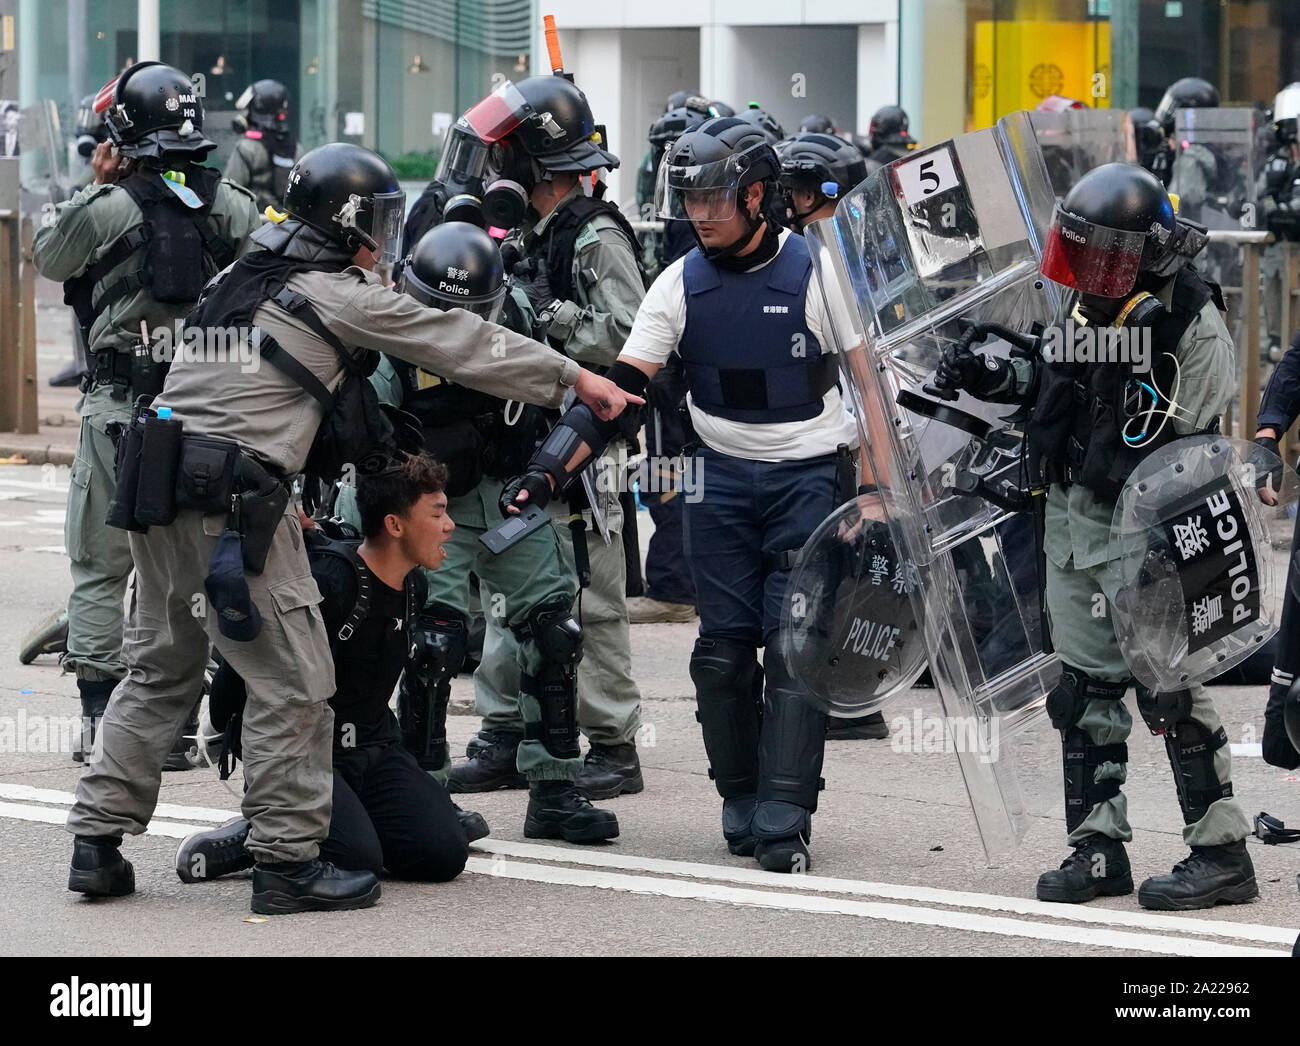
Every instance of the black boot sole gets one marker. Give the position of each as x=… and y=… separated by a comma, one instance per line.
x=592, y=833
x=866, y=733
x=782, y=860
x=625, y=786
x=272, y=902
x=495, y=785
x=742, y=847
x=100, y=883
x=1104, y=888
x=1237, y=893
x=475, y=827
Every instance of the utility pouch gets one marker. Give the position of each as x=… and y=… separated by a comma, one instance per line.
x=147, y=373
x=260, y=511
x=175, y=255
x=121, y=510
x=160, y=451
x=206, y=477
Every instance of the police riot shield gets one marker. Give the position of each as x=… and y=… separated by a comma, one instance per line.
x=948, y=235
x=1201, y=561
x=1077, y=140
x=44, y=159
x=1214, y=179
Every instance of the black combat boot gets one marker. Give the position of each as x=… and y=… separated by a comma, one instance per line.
x=214, y=852
x=1208, y=876
x=1099, y=865
x=98, y=867
x=610, y=770
x=556, y=810
x=782, y=832
x=289, y=887
x=738, y=824
x=863, y=728
x=492, y=767
x=94, y=701
x=474, y=825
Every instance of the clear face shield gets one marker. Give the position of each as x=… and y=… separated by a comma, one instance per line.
x=464, y=157
x=388, y=211
x=1092, y=259
x=699, y=192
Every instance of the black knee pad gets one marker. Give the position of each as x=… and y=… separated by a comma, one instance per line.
x=728, y=695
x=559, y=641
x=439, y=643
x=1070, y=696
x=1080, y=759
x=1164, y=711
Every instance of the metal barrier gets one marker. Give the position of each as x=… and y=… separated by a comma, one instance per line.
x=18, y=407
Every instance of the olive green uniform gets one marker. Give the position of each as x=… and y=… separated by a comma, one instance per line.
x=81, y=232
x=287, y=722
x=252, y=165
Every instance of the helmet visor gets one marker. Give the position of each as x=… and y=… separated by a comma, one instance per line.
x=386, y=224
x=464, y=156
x=698, y=192
x=1092, y=259
x=499, y=113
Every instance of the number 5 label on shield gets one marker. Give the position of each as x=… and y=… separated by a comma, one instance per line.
x=927, y=176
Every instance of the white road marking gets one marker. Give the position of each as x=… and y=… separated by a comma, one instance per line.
x=1247, y=751
x=897, y=913
x=788, y=895
x=926, y=894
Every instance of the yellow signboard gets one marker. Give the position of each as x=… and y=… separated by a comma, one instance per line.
x=1018, y=64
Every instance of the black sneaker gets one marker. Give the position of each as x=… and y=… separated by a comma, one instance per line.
x=1209, y=875
x=864, y=728
x=98, y=867
x=610, y=770
x=474, y=825
x=738, y=824
x=1099, y=865
x=556, y=810
x=783, y=831
x=214, y=852
x=491, y=768
x=311, y=886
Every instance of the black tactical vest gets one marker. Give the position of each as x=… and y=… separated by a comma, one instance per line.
x=1077, y=422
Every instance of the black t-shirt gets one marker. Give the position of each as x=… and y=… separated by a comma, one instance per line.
x=368, y=664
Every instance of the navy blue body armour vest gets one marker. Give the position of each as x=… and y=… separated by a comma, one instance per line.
x=749, y=354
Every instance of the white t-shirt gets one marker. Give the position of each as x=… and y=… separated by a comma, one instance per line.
x=655, y=335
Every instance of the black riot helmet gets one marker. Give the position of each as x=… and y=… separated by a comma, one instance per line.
x=548, y=119
x=704, y=175
x=817, y=123
x=1116, y=225
x=151, y=111
x=679, y=98
x=456, y=266
x=1191, y=92
x=822, y=164
x=1147, y=135
x=717, y=108
x=888, y=127
x=90, y=130
x=264, y=106
x=351, y=195
x=690, y=116
x=763, y=120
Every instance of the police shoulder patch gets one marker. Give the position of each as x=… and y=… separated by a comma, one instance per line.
x=91, y=192
x=587, y=237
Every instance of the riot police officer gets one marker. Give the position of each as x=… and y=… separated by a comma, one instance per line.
x=887, y=138
x=817, y=170
x=1116, y=241
x=315, y=313
x=133, y=251
x=578, y=262
x=759, y=117
x=457, y=192
x=485, y=440
x=263, y=157
x=1278, y=191
x=1191, y=92
x=770, y=422
x=818, y=123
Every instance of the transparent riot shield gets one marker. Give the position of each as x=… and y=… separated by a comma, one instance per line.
x=950, y=234
x=44, y=159
x=1214, y=177
x=1202, y=562
x=1077, y=140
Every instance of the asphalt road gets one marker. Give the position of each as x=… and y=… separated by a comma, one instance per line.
x=898, y=868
